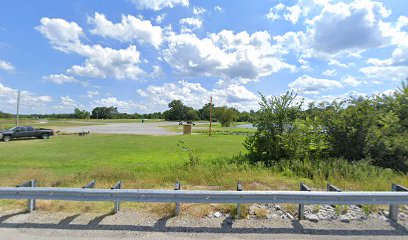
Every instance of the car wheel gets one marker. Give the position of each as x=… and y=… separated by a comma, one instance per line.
x=45, y=136
x=6, y=138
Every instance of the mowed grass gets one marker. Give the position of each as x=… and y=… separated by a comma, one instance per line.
x=144, y=161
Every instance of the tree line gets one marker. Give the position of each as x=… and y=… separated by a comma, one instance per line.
x=373, y=129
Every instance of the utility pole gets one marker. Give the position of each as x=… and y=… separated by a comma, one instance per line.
x=209, y=133
x=18, y=109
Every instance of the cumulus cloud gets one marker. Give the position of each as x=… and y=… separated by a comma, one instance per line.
x=101, y=62
x=218, y=8
x=195, y=95
x=6, y=66
x=350, y=26
x=92, y=94
x=351, y=81
x=199, y=10
x=309, y=85
x=330, y=72
x=338, y=28
x=129, y=29
x=59, y=78
x=224, y=55
x=190, y=24
x=64, y=36
x=123, y=106
x=157, y=5
x=29, y=102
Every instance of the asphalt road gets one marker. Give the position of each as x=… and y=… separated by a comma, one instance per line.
x=126, y=128
x=135, y=225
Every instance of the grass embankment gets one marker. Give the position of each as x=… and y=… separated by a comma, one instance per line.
x=198, y=161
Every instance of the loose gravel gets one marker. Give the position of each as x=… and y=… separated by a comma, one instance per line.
x=131, y=224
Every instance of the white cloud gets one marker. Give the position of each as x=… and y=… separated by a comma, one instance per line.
x=309, y=85
x=128, y=30
x=224, y=55
x=273, y=13
x=64, y=36
x=218, y=8
x=67, y=101
x=385, y=73
x=160, y=18
x=123, y=106
x=353, y=26
x=190, y=24
x=337, y=63
x=351, y=81
x=159, y=4
x=330, y=72
x=59, y=78
x=199, y=10
x=6, y=66
x=293, y=14
x=29, y=102
x=92, y=94
x=195, y=95
x=100, y=62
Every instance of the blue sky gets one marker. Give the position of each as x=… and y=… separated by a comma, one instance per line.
x=138, y=55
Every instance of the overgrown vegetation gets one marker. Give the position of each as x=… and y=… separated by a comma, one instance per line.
x=371, y=129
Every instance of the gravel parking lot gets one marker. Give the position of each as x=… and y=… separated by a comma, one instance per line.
x=126, y=128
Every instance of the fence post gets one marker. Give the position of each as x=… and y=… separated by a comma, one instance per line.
x=239, y=188
x=301, y=213
x=177, y=186
x=30, y=202
x=90, y=185
x=116, y=207
x=394, y=208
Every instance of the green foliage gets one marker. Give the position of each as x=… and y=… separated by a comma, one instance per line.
x=275, y=122
x=81, y=114
x=373, y=128
x=178, y=111
x=226, y=115
x=105, y=113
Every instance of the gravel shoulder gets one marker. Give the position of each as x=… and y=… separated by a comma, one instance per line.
x=153, y=128
x=130, y=224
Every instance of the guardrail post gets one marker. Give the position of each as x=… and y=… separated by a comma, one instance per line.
x=301, y=213
x=332, y=188
x=177, y=186
x=90, y=185
x=116, y=207
x=239, y=188
x=394, y=208
x=30, y=202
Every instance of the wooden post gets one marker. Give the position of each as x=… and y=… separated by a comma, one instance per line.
x=209, y=133
x=177, y=210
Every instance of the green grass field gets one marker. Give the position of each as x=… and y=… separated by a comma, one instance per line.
x=70, y=160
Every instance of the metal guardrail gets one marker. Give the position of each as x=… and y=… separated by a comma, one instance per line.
x=117, y=195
